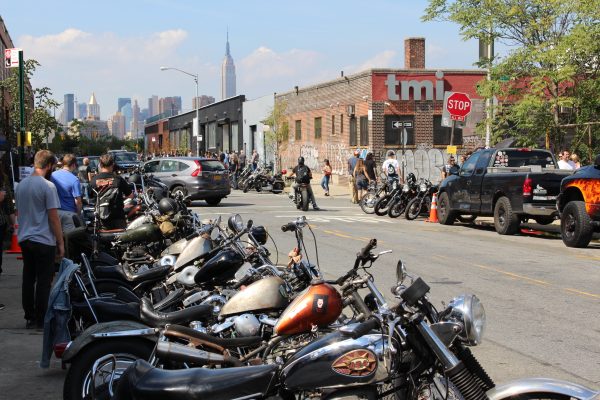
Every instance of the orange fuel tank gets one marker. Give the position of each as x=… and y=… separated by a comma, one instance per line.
x=320, y=304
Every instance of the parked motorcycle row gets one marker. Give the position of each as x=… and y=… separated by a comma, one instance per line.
x=261, y=179
x=201, y=311
x=390, y=197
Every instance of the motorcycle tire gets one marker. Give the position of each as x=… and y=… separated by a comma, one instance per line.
x=367, y=203
x=397, y=209
x=381, y=206
x=245, y=189
x=304, y=195
x=277, y=188
x=79, y=374
x=258, y=188
x=413, y=209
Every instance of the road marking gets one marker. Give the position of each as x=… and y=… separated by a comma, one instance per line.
x=341, y=218
x=597, y=296
x=513, y=275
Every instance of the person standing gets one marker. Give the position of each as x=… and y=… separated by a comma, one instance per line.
x=371, y=167
x=242, y=159
x=390, y=167
x=576, y=161
x=84, y=173
x=69, y=192
x=107, y=183
x=326, y=176
x=39, y=235
x=451, y=168
x=254, y=160
x=565, y=161
x=234, y=165
x=7, y=210
x=361, y=178
x=351, y=165
x=303, y=176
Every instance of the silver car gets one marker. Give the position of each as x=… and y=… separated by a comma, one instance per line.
x=200, y=178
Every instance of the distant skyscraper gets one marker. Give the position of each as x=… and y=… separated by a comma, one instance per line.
x=227, y=74
x=121, y=101
x=116, y=125
x=93, y=108
x=135, y=120
x=127, y=112
x=202, y=101
x=69, y=108
x=170, y=105
x=81, y=110
x=153, y=106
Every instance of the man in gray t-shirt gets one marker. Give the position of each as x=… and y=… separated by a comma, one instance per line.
x=39, y=235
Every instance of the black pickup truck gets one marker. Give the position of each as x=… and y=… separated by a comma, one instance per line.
x=512, y=185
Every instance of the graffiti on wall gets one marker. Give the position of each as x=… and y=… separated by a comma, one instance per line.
x=424, y=161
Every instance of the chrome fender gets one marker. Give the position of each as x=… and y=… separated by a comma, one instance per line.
x=105, y=331
x=541, y=385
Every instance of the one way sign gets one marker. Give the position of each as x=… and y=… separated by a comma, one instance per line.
x=400, y=124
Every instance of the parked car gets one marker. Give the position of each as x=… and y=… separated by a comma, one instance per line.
x=93, y=162
x=200, y=178
x=579, y=205
x=512, y=185
x=124, y=160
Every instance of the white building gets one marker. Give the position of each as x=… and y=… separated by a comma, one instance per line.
x=254, y=112
x=93, y=108
x=227, y=74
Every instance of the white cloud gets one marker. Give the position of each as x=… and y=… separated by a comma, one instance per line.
x=385, y=59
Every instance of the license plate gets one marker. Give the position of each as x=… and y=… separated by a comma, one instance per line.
x=218, y=177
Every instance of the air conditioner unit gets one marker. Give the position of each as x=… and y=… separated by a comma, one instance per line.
x=350, y=110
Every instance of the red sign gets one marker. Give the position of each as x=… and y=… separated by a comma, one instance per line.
x=459, y=106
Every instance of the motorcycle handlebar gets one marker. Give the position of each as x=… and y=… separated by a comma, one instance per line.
x=290, y=226
x=364, y=328
x=364, y=253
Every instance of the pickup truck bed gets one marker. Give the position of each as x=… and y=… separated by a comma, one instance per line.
x=512, y=185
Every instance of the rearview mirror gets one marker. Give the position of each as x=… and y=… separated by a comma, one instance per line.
x=400, y=272
x=214, y=233
x=250, y=223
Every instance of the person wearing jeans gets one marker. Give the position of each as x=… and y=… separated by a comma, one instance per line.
x=326, y=177
x=39, y=235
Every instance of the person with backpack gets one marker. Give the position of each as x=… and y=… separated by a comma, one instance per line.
x=390, y=167
x=304, y=175
x=110, y=191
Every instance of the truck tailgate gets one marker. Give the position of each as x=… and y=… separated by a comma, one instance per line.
x=546, y=186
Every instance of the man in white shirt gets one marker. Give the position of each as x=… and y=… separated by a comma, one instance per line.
x=565, y=162
x=390, y=166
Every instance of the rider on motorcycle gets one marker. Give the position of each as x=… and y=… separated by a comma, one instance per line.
x=304, y=175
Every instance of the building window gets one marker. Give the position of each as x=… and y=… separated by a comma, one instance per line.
x=441, y=134
x=364, y=131
x=298, y=130
x=341, y=124
x=212, y=135
x=353, y=132
x=395, y=125
x=333, y=125
x=317, y=127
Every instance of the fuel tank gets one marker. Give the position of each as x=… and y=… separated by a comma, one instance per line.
x=220, y=269
x=176, y=248
x=320, y=304
x=336, y=360
x=263, y=295
x=143, y=233
x=195, y=249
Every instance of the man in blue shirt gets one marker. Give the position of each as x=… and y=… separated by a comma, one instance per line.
x=69, y=192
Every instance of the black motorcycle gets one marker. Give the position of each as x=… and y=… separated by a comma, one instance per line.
x=401, y=198
x=375, y=191
x=421, y=204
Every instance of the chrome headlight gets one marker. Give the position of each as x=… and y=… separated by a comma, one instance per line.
x=423, y=187
x=405, y=188
x=468, y=310
x=169, y=260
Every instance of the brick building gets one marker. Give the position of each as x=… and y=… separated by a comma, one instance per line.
x=374, y=109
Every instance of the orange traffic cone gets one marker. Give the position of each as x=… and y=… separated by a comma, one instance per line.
x=14, y=243
x=433, y=213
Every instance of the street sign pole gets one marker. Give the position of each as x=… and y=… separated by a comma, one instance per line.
x=22, y=106
x=404, y=139
x=452, y=133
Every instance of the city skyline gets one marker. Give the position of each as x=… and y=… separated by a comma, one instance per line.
x=278, y=53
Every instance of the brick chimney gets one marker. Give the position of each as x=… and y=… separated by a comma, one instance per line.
x=414, y=53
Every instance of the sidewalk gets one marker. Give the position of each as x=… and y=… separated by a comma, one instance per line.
x=20, y=374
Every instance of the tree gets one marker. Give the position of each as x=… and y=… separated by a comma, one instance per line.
x=277, y=136
x=38, y=120
x=553, y=63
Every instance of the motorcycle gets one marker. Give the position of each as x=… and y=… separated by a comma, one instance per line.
x=382, y=203
x=421, y=204
x=375, y=191
x=300, y=196
x=401, y=199
x=262, y=180
x=408, y=351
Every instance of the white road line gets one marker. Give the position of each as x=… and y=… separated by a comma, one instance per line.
x=341, y=218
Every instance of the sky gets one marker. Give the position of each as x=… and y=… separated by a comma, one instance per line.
x=116, y=48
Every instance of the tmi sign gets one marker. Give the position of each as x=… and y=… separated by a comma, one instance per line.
x=417, y=87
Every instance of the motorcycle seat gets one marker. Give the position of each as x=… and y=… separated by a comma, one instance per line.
x=107, y=309
x=124, y=274
x=142, y=381
x=226, y=343
x=156, y=319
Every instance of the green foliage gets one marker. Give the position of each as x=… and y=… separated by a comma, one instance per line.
x=277, y=136
x=553, y=66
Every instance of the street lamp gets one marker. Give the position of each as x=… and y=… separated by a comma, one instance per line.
x=195, y=76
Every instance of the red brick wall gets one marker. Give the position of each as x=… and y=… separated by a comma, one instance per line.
x=414, y=53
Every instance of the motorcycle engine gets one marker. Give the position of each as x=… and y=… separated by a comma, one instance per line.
x=246, y=325
x=288, y=347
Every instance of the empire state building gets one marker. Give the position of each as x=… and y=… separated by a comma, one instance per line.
x=227, y=74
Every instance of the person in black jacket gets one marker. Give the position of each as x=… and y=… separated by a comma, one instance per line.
x=108, y=179
x=304, y=175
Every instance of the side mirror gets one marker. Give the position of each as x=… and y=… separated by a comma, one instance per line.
x=400, y=272
x=250, y=223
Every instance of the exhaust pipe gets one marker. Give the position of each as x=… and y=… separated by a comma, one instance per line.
x=186, y=354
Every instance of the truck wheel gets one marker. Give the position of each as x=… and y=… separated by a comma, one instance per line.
x=445, y=215
x=576, y=225
x=506, y=221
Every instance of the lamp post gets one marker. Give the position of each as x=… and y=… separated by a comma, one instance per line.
x=195, y=76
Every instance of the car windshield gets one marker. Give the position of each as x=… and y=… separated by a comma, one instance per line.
x=126, y=157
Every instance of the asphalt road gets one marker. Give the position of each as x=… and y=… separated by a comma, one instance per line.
x=542, y=299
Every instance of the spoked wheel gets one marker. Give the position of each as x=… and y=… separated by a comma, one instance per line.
x=381, y=206
x=397, y=208
x=413, y=209
x=367, y=203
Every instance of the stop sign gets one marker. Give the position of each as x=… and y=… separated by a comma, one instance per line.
x=458, y=106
